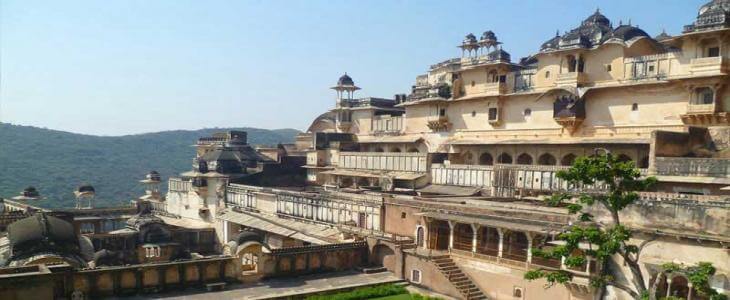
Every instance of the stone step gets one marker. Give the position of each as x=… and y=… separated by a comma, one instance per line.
x=372, y=270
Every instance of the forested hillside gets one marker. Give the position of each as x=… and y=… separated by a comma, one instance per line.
x=56, y=162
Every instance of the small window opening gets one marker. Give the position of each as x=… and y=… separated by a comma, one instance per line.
x=527, y=112
x=635, y=107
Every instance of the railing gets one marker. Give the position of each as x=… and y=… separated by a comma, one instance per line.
x=212, y=141
x=707, y=65
x=387, y=124
x=495, y=88
x=686, y=166
x=570, y=79
x=700, y=108
x=179, y=185
x=386, y=161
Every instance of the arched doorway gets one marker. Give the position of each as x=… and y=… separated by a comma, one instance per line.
x=420, y=236
x=547, y=159
x=383, y=256
x=679, y=287
x=568, y=160
x=524, y=159
x=504, y=158
x=486, y=159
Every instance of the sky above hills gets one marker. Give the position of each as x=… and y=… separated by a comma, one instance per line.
x=124, y=67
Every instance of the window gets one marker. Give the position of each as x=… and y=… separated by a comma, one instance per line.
x=473, y=113
x=472, y=83
x=527, y=112
x=547, y=74
x=493, y=113
x=517, y=292
x=713, y=52
x=87, y=228
x=651, y=68
x=416, y=276
x=402, y=215
x=442, y=112
x=503, y=78
x=608, y=68
x=704, y=95
x=635, y=107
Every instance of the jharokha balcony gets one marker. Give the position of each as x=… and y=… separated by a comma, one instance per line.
x=709, y=66
x=440, y=124
x=569, y=112
x=704, y=114
x=571, y=79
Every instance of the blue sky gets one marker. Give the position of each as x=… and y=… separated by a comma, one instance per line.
x=124, y=67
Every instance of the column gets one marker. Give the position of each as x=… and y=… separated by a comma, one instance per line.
x=529, y=247
x=475, y=231
x=501, y=242
x=689, y=293
x=451, y=235
x=669, y=286
x=425, y=233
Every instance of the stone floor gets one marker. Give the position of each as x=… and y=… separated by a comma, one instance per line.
x=283, y=287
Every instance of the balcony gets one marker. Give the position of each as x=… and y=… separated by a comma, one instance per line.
x=569, y=112
x=440, y=124
x=704, y=115
x=571, y=79
x=495, y=88
x=344, y=126
x=383, y=161
x=708, y=66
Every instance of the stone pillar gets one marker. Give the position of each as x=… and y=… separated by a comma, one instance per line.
x=669, y=285
x=425, y=234
x=689, y=293
x=501, y=242
x=451, y=235
x=529, y=247
x=475, y=231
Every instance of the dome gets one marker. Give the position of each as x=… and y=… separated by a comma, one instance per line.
x=715, y=5
x=597, y=18
x=42, y=231
x=551, y=44
x=662, y=36
x=345, y=80
x=86, y=188
x=489, y=36
x=30, y=191
x=498, y=54
x=470, y=39
x=627, y=32
x=153, y=176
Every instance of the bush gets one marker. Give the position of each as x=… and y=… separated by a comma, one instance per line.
x=364, y=293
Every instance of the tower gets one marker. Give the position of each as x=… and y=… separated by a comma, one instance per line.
x=84, y=196
x=151, y=184
x=345, y=89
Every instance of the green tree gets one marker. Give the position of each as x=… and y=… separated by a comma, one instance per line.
x=619, y=181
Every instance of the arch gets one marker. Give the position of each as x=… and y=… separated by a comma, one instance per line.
x=486, y=159
x=395, y=149
x=679, y=287
x=413, y=150
x=624, y=158
x=383, y=256
x=468, y=158
x=547, y=159
x=379, y=149
x=568, y=159
x=463, y=236
x=504, y=158
x=249, y=253
x=420, y=236
x=524, y=159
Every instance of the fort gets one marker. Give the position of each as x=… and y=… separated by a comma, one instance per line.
x=443, y=187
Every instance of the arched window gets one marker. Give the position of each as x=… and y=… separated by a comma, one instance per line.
x=547, y=159
x=524, y=159
x=635, y=107
x=568, y=160
x=395, y=149
x=468, y=158
x=486, y=159
x=419, y=236
x=527, y=112
x=504, y=158
x=704, y=95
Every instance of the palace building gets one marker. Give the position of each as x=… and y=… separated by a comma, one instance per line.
x=444, y=186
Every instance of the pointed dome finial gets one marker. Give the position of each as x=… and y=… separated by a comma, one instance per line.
x=598, y=10
x=620, y=22
x=629, y=21
x=557, y=32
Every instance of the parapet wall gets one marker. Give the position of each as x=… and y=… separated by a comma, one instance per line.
x=313, y=259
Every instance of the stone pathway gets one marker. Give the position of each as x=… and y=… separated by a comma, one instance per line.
x=283, y=287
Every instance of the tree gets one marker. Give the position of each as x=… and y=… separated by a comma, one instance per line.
x=620, y=182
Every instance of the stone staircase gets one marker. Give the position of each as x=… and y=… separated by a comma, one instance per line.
x=458, y=278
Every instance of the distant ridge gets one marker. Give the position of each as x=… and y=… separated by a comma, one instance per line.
x=56, y=162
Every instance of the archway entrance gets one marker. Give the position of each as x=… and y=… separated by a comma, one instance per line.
x=438, y=235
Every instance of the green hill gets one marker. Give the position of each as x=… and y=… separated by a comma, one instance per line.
x=56, y=162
